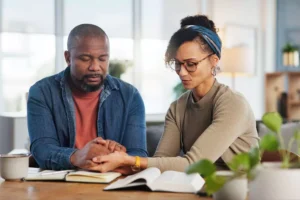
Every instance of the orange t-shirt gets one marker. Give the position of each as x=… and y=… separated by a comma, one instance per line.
x=86, y=109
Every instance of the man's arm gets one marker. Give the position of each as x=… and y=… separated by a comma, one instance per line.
x=135, y=134
x=45, y=146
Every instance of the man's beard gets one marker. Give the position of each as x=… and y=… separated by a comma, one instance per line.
x=91, y=88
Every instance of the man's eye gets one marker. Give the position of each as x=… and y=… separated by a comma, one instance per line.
x=103, y=59
x=84, y=58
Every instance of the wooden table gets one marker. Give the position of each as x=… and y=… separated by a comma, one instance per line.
x=76, y=191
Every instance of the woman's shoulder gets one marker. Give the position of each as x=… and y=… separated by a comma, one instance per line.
x=226, y=95
x=182, y=99
x=179, y=104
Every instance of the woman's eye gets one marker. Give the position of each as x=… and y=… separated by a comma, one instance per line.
x=190, y=64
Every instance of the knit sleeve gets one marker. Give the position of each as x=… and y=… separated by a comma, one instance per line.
x=230, y=120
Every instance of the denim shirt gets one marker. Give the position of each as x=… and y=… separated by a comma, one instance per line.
x=52, y=127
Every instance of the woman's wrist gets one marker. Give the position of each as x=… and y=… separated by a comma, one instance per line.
x=129, y=160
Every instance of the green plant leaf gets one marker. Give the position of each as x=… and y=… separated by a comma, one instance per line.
x=273, y=121
x=289, y=48
x=254, y=156
x=269, y=142
x=214, y=183
x=204, y=167
x=179, y=90
x=297, y=135
x=240, y=163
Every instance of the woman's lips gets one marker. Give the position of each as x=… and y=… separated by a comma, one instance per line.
x=185, y=81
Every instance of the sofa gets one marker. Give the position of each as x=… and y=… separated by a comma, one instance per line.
x=154, y=132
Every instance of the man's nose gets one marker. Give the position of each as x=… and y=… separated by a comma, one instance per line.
x=95, y=65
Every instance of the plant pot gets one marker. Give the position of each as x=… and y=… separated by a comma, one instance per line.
x=235, y=189
x=273, y=182
x=291, y=58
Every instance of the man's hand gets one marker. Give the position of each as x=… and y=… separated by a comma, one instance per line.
x=83, y=158
x=111, y=145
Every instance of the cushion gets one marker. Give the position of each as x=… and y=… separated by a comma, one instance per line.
x=287, y=131
x=154, y=133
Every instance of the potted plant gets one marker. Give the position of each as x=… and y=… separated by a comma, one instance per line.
x=267, y=180
x=118, y=67
x=290, y=55
x=275, y=180
x=179, y=90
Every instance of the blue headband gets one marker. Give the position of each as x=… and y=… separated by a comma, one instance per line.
x=209, y=36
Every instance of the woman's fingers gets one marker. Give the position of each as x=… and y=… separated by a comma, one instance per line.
x=100, y=159
x=112, y=145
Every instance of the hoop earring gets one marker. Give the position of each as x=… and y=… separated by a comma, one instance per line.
x=214, y=71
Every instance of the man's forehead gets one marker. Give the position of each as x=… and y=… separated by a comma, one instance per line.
x=90, y=42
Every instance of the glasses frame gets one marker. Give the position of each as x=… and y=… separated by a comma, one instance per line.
x=196, y=63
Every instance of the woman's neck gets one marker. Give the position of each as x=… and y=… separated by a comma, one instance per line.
x=202, y=89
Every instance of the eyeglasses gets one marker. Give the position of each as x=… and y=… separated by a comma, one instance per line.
x=190, y=66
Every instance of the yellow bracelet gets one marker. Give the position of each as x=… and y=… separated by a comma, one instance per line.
x=137, y=165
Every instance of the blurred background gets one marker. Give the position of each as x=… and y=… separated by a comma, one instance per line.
x=33, y=37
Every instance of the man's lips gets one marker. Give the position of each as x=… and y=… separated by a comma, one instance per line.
x=93, y=79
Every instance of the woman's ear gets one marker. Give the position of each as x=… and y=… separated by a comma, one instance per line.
x=214, y=60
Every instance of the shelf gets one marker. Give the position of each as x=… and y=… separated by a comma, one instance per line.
x=295, y=103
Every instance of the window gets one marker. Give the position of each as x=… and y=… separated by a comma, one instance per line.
x=114, y=17
x=158, y=81
x=31, y=48
x=27, y=49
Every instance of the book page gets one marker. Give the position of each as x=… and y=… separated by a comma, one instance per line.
x=144, y=177
x=172, y=181
x=92, y=177
x=47, y=175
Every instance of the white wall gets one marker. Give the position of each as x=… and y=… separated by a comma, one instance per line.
x=13, y=133
x=260, y=14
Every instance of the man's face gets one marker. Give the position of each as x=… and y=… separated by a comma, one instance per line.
x=88, y=60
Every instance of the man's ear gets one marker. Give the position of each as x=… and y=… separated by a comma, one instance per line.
x=214, y=60
x=67, y=57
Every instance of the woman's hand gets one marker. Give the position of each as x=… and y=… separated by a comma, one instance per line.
x=111, y=161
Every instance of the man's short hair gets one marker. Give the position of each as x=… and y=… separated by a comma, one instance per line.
x=84, y=30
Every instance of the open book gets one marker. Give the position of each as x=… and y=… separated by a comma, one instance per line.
x=168, y=181
x=35, y=174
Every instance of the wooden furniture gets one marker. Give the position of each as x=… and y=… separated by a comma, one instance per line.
x=78, y=191
x=279, y=82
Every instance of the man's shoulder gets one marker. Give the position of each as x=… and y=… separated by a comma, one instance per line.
x=46, y=82
x=121, y=85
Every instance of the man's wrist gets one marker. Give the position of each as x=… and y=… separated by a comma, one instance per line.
x=73, y=158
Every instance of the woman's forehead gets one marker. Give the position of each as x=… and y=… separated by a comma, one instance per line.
x=189, y=50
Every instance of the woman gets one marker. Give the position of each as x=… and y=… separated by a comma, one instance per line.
x=209, y=121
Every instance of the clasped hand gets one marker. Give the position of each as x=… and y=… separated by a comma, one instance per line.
x=93, y=155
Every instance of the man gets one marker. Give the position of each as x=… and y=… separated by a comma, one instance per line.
x=82, y=112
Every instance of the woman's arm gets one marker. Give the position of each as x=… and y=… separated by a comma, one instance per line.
x=231, y=119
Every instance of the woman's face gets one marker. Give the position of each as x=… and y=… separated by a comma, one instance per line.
x=191, y=53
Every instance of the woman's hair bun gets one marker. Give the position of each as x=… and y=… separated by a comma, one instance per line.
x=200, y=20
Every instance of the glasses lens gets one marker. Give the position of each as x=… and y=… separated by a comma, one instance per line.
x=177, y=66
